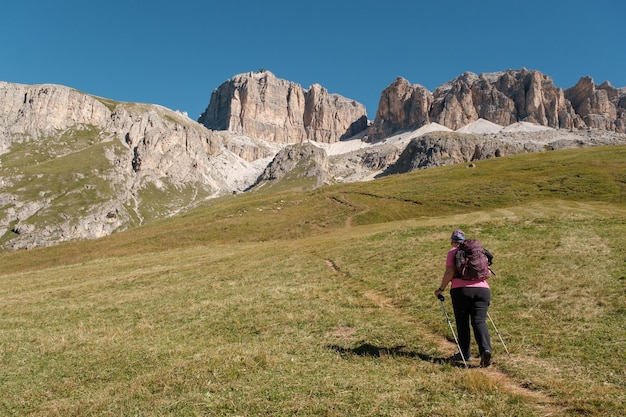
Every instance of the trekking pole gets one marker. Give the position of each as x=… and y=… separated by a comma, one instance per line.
x=445, y=313
x=498, y=333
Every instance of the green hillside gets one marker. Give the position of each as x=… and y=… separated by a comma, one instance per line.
x=321, y=302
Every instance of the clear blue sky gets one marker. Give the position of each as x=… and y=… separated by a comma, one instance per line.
x=175, y=53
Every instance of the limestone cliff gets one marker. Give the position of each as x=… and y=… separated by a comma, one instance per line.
x=601, y=107
x=262, y=106
x=74, y=166
x=503, y=98
x=402, y=106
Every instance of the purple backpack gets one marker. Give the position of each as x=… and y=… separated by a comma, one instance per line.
x=472, y=260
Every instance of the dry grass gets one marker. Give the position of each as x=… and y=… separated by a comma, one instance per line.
x=236, y=311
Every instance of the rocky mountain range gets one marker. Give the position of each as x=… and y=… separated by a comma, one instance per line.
x=75, y=166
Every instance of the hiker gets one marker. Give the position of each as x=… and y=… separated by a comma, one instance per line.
x=470, y=301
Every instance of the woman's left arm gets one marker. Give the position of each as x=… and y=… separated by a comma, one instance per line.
x=445, y=280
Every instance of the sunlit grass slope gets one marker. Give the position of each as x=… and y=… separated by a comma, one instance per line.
x=321, y=302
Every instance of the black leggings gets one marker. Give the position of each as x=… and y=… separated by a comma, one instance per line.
x=471, y=303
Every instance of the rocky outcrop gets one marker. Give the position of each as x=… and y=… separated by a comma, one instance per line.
x=402, y=105
x=600, y=107
x=119, y=164
x=297, y=162
x=362, y=165
x=31, y=112
x=503, y=98
x=309, y=161
x=259, y=105
x=445, y=148
x=435, y=149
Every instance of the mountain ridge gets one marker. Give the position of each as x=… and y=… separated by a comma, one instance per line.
x=75, y=166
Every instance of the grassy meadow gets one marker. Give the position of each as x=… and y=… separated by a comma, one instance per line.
x=320, y=303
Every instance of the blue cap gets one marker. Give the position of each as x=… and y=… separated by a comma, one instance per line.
x=458, y=235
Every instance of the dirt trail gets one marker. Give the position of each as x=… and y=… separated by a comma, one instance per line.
x=542, y=402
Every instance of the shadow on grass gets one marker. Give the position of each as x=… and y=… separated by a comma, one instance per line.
x=367, y=349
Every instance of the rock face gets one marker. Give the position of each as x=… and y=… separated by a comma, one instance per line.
x=443, y=148
x=259, y=105
x=362, y=165
x=503, y=98
x=31, y=112
x=600, y=107
x=296, y=162
x=74, y=166
x=402, y=106
x=307, y=160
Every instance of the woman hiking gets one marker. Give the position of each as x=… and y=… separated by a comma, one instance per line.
x=471, y=296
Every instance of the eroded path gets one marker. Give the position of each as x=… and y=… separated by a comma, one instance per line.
x=540, y=400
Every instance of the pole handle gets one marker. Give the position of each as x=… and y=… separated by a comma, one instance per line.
x=441, y=297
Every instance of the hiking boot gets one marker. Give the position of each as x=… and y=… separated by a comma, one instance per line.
x=485, y=359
